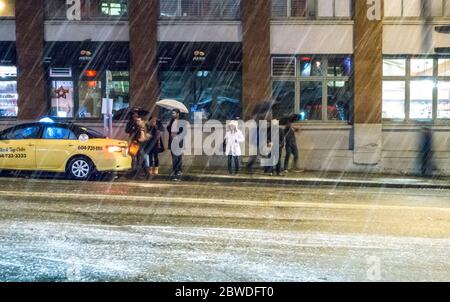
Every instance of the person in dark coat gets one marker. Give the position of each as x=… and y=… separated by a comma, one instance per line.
x=174, y=130
x=290, y=142
x=154, y=146
x=277, y=167
x=131, y=127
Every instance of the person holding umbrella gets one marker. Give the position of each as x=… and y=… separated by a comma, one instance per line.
x=174, y=130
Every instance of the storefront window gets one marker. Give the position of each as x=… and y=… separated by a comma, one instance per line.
x=90, y=94
x=421, y=94
x=426, y=79
x=394, y=99
x=339, y=67
x=214, y=94
x=444, y=67
x=310, y=67
x=175, y=85
x=325, y=87
x=311, y=101
x=340, y=98
x=206, y=77
x=394, y=67
x=62, y=102
x=118, y=89
x=8, y=91
x=81, y=75
x=421, y=67
x=283, y=94
x=7, y=8
x=444, y=100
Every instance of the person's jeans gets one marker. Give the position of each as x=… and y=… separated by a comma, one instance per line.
x=153, y=159
x=233, y=160
x=291, y=150
x=177, y=164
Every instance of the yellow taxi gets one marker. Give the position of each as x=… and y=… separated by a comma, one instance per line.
x=56, y=147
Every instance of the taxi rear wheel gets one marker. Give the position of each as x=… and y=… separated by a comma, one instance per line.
x=80, y=168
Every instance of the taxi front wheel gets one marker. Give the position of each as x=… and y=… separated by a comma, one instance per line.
x=80, y=168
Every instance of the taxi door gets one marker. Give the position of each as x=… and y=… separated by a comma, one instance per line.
x=57, y=145
x=18, y=147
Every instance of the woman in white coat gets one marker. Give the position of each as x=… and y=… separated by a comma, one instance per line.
x=233, y=139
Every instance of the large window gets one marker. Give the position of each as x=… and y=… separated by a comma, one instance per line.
x=416, y=8
x=8, y=91
x=7, y=8
x=204, y=9
x=316, y=88
x=444, y=99
x=88, y=9
x=394, y=99
x=214, y=94
x=416, y=88
x=284, y=98
x=85, y=99
x=206, y=77
x=311, y=9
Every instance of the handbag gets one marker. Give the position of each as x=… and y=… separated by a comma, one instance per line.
x=134, y=148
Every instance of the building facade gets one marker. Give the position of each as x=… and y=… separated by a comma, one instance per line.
x=364, y=77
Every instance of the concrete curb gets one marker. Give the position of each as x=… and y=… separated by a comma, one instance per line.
x=311, y=182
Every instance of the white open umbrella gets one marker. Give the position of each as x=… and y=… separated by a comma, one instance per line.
x=173, y=104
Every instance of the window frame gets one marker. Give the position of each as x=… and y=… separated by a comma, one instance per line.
x=444, y=15
x=407, y=79
x=201, y=16
x=315, y=15
x=324, y=79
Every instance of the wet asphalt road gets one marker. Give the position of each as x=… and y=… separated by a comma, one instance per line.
x=57, y=230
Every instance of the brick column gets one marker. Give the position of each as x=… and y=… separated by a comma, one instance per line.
x=144, y=82
x=256, y=78
x=368, y=39
x=33, y=102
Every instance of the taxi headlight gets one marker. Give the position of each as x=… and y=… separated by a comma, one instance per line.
x=114, y=149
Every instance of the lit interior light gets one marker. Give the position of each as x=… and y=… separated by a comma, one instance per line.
x=2, y=5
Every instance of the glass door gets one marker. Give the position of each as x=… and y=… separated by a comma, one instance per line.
x=90, y=94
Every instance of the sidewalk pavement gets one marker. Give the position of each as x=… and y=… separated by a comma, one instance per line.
x=333, y=179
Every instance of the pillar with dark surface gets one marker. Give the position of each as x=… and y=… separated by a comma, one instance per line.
x=31, y=83
x=368, y=81
x=143, y=15
x=256, y=83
